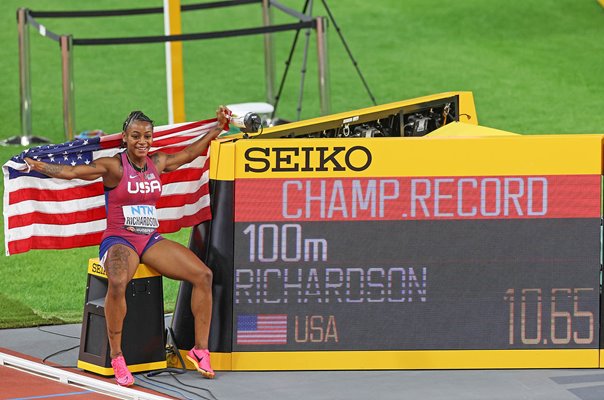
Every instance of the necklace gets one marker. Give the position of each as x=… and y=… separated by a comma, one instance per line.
x=136, y=167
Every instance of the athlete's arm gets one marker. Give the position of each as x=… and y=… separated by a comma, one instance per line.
x=101, y=167
x=169, y=162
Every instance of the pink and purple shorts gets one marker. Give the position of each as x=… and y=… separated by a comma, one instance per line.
x=140, y=249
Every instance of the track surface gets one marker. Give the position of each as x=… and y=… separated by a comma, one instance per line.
x=550, y=384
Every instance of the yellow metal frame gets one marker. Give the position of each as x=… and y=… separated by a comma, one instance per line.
x=132, y=367
x=467, y=111
x=174, y=64
x=400, y=360
x=222, y=160
x=423, y=156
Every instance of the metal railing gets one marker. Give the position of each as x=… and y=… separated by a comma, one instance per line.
x=26, y=18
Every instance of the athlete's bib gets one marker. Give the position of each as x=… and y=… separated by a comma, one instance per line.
x=141, y=219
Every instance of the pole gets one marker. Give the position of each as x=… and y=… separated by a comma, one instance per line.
x=323, y=65
x=24, y=74
x=66, y=43
x=269, y=54
x=304, y=63
x=174, y=68
x=354, y=62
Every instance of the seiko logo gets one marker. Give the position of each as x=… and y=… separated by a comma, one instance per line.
x=143, y=187
x=98, y=269
x=294, y=159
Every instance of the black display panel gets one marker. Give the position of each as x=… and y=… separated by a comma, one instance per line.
x=312, y=280
x=421, y=284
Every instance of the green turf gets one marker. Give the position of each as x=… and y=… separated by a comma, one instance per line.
x=15, y=314
x=533, y=66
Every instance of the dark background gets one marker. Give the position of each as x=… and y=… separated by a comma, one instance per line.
x=470, y=266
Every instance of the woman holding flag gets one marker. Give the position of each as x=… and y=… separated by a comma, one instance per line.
x=132, y=190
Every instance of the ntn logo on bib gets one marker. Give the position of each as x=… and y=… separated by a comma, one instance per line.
x=140, y=218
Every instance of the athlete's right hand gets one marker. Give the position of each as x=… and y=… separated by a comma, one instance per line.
x=31, y=164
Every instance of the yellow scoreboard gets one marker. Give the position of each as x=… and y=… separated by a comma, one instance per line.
x=385, y=249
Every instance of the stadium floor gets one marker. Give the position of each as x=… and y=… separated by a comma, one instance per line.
x=550, y=384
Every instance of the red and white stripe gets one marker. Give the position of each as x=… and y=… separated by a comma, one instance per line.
x=61, y=214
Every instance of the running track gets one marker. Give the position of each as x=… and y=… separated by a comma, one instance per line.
x=20, y=385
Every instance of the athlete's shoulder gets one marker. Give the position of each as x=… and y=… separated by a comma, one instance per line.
x=159, y=160
x=114, y=169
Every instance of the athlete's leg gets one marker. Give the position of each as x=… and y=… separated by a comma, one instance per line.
x=120, y=265
x=175, y=261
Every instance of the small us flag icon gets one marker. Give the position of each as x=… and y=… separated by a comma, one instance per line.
x=262, y=329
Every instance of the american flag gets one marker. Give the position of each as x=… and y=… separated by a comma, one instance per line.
x=262, y=329
x=49, y=213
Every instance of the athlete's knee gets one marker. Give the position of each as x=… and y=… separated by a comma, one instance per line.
x=117, y=287
x=206, y=275
x=117, y=280
x=203, y=276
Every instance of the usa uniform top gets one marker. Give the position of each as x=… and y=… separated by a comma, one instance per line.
x=130, y=206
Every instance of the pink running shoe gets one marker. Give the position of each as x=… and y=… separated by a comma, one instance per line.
x=201, y=360
x=122, y=374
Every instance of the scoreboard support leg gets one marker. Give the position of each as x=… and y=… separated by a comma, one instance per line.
x=212, y=242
